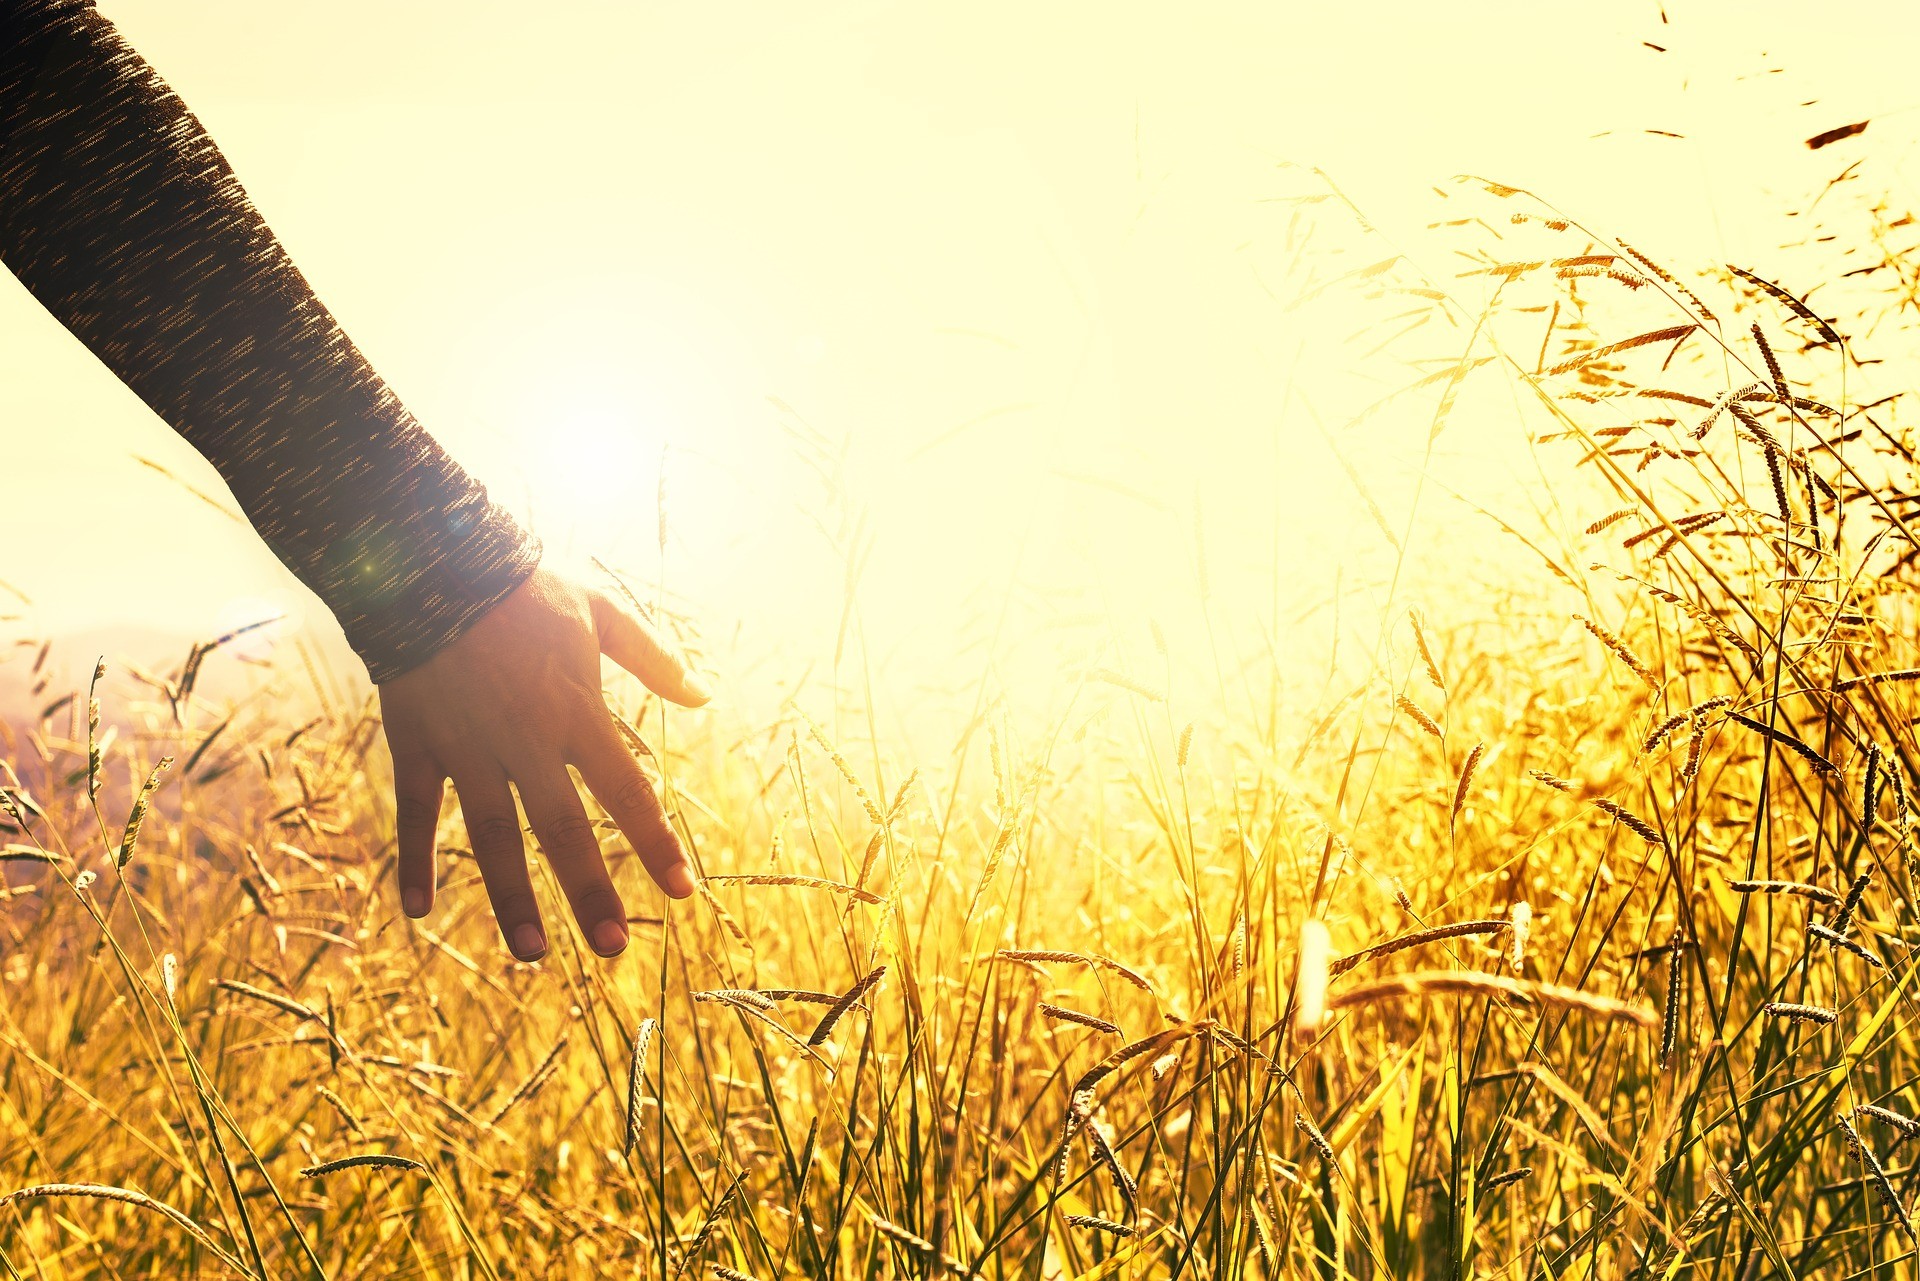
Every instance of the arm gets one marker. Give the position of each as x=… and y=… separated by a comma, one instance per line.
x=123, y=219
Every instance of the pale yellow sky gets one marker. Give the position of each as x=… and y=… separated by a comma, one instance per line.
x=1006, y=250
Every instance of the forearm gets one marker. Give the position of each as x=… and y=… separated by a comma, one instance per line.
x=121, y=216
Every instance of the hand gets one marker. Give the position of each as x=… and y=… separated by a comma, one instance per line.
x=517, y=699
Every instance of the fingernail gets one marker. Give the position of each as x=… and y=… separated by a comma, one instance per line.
x=679, y=881
x=610, y=937
x=700, y=687
x=413, y=901
x=529, y=944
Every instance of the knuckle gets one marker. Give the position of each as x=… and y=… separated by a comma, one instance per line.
x=416, y=811
x=633, y=793
x=493, y=833
x=571, y=834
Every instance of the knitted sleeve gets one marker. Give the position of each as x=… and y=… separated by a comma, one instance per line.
x=120, y=215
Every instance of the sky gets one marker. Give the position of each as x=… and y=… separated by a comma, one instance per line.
x=1014, y=269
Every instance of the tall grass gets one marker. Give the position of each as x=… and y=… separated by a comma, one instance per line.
x=1614, y=857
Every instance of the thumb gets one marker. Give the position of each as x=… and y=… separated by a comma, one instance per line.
x=637, y=645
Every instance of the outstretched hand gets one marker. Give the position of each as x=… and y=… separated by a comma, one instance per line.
x=516, y=700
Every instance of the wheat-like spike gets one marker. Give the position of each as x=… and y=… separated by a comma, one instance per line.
x=1710, y=1205
x=1670, y=1007
x=1611, y=518
x=1507, y=1177
x=1127, y=1053
x=735, y=996
x=1426, y=653
x=1238, y=943
x=93, y=732
x=1791, y=303
x=704, y=1233
x=1132, y=976
x=833, y=1016
x=1719, y=407
x=1870, y=787
x=1061, y=1014
x=1185, y=747
x=138, y=816
x=1678, y=397
x=1666, y=277
x=800, y=994
x=1240, y=1045
x=637, y=1081
x=1620, y=651
x=535, y=1082
x=1036, y=956
x=903, y=1236
x=1557, y=783
x=1905, y=1124
x=1675, y=333
x=1466, y=781
x=285, y=1004
x=729, y=1274
x=128, y=1196
x=1773, y=364
x=1696, y=744
x=1660, y=733
x=1079, y=1111
x=805, y=882
x=366, y=1160
x=901, y=794
x=1316, y=1140
x=1093, y=1223
x=1400, y=896
x=1420, y=718
x=723, y=916
x=1104, y=1153
x=1833, y=938
x=1797, y=1013
x=1629, y=820
x=1438, y=933
x=1843, y=919
x=339, y=1105
x=1032, y=955
x=1818, y=893
x=635, y=743
x=1778, y=480
x=846, y=771
x=1424, y=984
x=875, y=844
x=1903, y=676
x=1904, y=811
x=1120, y=680
x=1877, y=1175
x=1686, y=528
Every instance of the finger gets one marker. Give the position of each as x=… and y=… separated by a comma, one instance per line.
x=493, y=826
x=624, y=791
x=419, y=785
x=635, y=644
x=573, y=852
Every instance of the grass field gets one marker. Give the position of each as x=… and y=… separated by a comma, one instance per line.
x=1565, y=932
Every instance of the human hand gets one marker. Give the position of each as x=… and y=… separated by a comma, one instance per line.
x=517, y=699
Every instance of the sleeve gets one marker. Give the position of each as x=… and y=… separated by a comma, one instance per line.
x=120, y=215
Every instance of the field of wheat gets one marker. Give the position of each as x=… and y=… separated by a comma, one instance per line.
x=1566, y=931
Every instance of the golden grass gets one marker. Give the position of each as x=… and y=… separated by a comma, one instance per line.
x=1361, y=980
